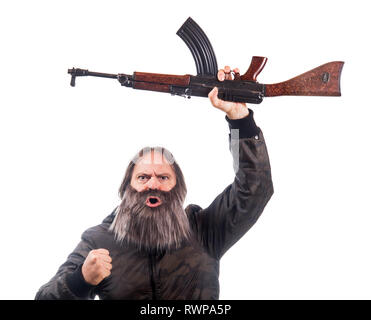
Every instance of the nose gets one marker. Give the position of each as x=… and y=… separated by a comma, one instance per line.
x=153, y=183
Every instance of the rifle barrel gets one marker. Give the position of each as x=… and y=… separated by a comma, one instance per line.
x=83, y=72
x=76, y=72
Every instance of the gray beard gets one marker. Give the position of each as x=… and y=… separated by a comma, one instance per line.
x=162, y=227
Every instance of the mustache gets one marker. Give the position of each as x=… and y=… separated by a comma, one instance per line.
x=164, y=196
x=138, y=201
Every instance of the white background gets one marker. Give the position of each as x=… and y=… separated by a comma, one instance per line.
x=64, y=150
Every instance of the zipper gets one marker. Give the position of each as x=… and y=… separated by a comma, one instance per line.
x=151, y=260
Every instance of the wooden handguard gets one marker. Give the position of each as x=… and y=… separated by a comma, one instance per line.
x=158, y=82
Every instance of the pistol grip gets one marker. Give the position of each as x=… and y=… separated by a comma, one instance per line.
x=73, y=80
x=256, y=66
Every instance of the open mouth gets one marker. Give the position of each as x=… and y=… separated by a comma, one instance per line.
x=153, y=201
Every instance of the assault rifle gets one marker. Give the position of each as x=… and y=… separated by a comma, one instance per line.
x=321, y=81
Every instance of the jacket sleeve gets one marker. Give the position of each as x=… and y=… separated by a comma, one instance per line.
x=239, y=206
x=68, y=283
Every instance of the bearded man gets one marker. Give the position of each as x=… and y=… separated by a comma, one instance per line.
x=152, y=248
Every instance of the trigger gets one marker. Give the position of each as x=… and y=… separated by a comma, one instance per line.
x=236, y=76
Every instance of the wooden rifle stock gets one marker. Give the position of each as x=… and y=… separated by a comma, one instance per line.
x=321, y=81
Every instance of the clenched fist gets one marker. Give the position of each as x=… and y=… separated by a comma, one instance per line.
x=97, y=266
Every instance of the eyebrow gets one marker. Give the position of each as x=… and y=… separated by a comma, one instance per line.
x=143, y=174
x=150, y=174
x=163, y=174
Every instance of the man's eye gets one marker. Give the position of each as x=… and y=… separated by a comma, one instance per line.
x=164, y=178
x=142, y=178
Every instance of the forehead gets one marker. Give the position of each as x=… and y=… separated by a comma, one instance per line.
x=153, y=161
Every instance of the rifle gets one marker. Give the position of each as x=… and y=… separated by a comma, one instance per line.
x=321, y=81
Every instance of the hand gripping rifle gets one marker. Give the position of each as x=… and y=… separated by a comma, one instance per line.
x=321, y=81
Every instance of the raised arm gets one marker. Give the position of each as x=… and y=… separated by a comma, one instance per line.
x=238, y=207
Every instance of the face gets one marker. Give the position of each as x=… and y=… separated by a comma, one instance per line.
x=151, y=214
x=153, y=172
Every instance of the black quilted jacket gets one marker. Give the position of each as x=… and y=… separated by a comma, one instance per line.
x=191, y=272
